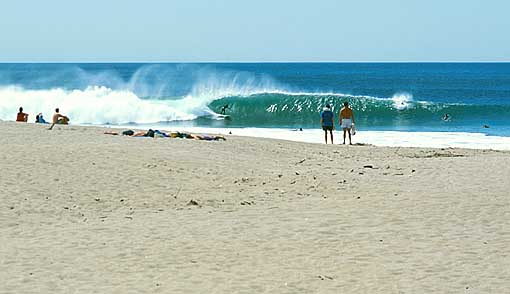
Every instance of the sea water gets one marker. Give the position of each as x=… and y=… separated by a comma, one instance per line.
x=395, y=104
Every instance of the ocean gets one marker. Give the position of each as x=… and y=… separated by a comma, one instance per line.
x=395, y=104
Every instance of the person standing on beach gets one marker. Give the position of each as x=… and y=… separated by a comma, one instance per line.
x=347, y=120
x=327, y=122
x=21, y=117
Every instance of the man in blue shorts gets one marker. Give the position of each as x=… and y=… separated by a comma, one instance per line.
x=327, y=122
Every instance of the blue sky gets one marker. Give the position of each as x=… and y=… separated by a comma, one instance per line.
x=262, y=30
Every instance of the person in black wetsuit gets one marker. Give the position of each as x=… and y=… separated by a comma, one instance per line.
x=223, y=109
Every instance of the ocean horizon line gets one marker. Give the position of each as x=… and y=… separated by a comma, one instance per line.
x=254, y=62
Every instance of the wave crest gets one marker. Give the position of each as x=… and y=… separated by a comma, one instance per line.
x=95, y=105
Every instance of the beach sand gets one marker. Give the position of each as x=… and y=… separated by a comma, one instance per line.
x=84, y=212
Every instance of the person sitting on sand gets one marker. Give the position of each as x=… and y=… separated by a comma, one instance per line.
x=60, y=119
x=39, y=119
x=347, y=120
x=21, y=117
x=327, y=122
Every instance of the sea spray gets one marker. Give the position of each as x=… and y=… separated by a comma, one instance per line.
x=102, y=105
x=94, y=105
x=410, y=97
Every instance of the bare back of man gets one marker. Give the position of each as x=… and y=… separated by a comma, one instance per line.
x=346, y=113
x=59, y=118
x=347, y=120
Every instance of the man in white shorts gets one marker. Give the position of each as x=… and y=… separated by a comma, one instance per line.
x=347, y=120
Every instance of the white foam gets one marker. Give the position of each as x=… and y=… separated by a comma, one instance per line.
x=402, y=101
x=377, y=138
x=96, y=105
x=104, y=105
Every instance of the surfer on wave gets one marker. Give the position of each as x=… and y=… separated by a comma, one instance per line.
x=223, y=109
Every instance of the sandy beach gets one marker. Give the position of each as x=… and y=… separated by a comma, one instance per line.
x=84, y=212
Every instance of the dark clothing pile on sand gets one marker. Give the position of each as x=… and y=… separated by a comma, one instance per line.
x=159, y=134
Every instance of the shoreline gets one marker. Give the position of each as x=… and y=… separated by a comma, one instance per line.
x=395, y=139
x=86, y=212
x=464, y=140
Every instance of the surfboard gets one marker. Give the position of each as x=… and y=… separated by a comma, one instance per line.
x=225, y=117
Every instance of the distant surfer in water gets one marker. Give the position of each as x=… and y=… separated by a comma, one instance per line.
x=223, y=109
x=327, y=122
x=347, y=120
x=446, y=117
